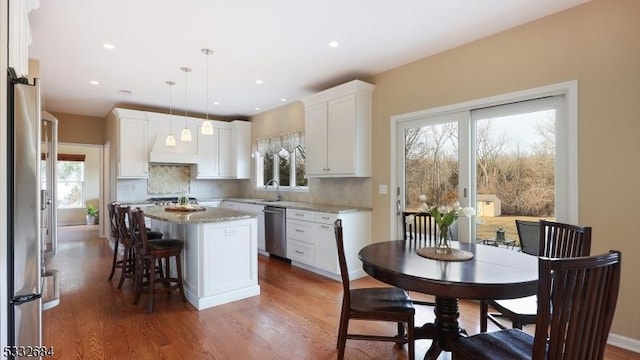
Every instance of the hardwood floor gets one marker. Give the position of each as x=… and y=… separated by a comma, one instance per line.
x=295, y=317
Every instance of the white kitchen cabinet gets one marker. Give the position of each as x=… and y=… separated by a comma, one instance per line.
x=226, y=153
x=19, y=36
x=338, y=131
x=311, y=242
x=326, y=254
x=133, y=151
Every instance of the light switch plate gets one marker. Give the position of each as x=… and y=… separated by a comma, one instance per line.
x=383, y=189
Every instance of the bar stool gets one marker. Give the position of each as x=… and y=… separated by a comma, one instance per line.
x=127, y=263
x=147, y=254
x=113, y=224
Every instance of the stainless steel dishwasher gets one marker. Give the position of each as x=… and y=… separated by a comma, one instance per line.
x=275, y=230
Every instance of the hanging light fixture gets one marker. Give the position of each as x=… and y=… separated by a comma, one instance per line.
x=170, y=141
x=185, y=135
x=207, y=127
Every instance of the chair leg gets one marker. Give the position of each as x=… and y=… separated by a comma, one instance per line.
x=126, y=265
x=115, y=260
x=140, y=268
x=411, y=338
x=401, y=335
x=152, y=277
x=342, y=332
x=484, y=310
x=179, y=276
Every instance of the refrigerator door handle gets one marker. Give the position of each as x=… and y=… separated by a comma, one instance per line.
x=21, y=299
x=55, y=301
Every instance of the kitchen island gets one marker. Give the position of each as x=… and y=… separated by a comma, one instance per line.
x=220, y=256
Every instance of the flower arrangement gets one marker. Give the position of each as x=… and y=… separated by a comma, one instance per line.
x=444, y=216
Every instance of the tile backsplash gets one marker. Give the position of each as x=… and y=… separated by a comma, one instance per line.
x=168, y=179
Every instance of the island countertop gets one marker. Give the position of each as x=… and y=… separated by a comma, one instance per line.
x=210, y=214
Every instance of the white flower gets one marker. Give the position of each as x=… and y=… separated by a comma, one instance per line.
x=409, y=219
x=468, y=211
x=456, y=206
x=423, y=198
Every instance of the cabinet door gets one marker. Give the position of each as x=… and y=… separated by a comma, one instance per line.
x=326, y=250
x=207, y=156
x=224, y=152
x=315, y=140
x=133, y=152
x=341, y=134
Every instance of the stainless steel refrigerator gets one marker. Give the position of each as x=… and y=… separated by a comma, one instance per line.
x=31, y=219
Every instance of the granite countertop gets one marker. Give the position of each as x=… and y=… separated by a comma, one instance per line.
x=208, y=215
x=336, y=209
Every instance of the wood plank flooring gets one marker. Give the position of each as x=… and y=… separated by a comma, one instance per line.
x=295, y=317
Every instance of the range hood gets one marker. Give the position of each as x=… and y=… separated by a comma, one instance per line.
x=185, y=152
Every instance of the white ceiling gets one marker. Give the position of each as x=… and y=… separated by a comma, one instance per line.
x=284, y=43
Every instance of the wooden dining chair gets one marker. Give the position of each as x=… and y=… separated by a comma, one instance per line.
x=419, y=228
x=556, y=240
x=577, y=299
x=375, y=304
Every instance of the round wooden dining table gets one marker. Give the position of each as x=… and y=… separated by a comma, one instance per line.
x=493, y=273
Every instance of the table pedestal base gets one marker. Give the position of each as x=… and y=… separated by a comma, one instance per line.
x=444, y=330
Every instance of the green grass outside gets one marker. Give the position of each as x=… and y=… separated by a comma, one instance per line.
x=487, y=230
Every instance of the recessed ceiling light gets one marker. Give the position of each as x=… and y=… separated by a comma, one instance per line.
x=257, y=109
x=216, y=103
x=283, y=99
x=93, y=82
x=334, y=44
x=108, y=46
x=259, y=82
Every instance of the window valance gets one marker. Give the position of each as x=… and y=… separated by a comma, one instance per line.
x=274, y=145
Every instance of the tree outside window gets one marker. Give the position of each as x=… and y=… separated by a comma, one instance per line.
x=278, y=166
x=70, y=184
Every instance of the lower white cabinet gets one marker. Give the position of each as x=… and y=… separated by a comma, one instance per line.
x=311, y=242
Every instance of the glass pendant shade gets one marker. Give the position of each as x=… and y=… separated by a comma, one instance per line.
x=185, y=135
x=207, y=128
x=170, y=141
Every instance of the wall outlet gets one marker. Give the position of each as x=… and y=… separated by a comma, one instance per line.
x=383, y=189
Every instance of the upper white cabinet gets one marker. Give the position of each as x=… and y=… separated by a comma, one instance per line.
x=227, y=153
x=133, y=151
x=338, y=131
x=140, y=137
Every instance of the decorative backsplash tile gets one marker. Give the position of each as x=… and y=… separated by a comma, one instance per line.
x=168, y=179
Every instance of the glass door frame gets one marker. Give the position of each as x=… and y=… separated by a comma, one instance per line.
x=567, y=136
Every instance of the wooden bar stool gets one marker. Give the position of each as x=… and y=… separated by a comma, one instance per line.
x=113, y=224
x=148, y=253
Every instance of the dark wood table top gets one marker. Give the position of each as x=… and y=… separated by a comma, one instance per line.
x=493, y=273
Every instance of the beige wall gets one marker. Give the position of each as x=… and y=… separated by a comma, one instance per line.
x=80, y=129
x=598, y=45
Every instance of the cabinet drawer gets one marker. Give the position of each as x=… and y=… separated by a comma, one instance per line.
x=300, y=230
x=301, y=252
x=325, y=218
x=300, y=215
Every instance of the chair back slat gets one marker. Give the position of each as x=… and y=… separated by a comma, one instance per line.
x=576, y=303
x=558, y=240
x=529, y=234
x=138, y=233
x=113, y=220
x=419, y=227
x=122, y=215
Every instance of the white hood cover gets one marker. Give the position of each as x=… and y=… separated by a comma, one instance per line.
x=183, y=153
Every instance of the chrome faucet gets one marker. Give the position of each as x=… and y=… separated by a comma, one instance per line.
x=278, y=196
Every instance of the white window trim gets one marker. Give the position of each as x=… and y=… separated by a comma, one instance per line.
x=569, y=89
x=276, y=171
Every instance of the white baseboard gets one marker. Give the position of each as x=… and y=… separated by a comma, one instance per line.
x=624, y=342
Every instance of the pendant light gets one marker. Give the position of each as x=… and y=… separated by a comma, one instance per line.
x=185, y=135
x=170, y=141
x=207, y=127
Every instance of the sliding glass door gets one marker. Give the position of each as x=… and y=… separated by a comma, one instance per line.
x=508, y=161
